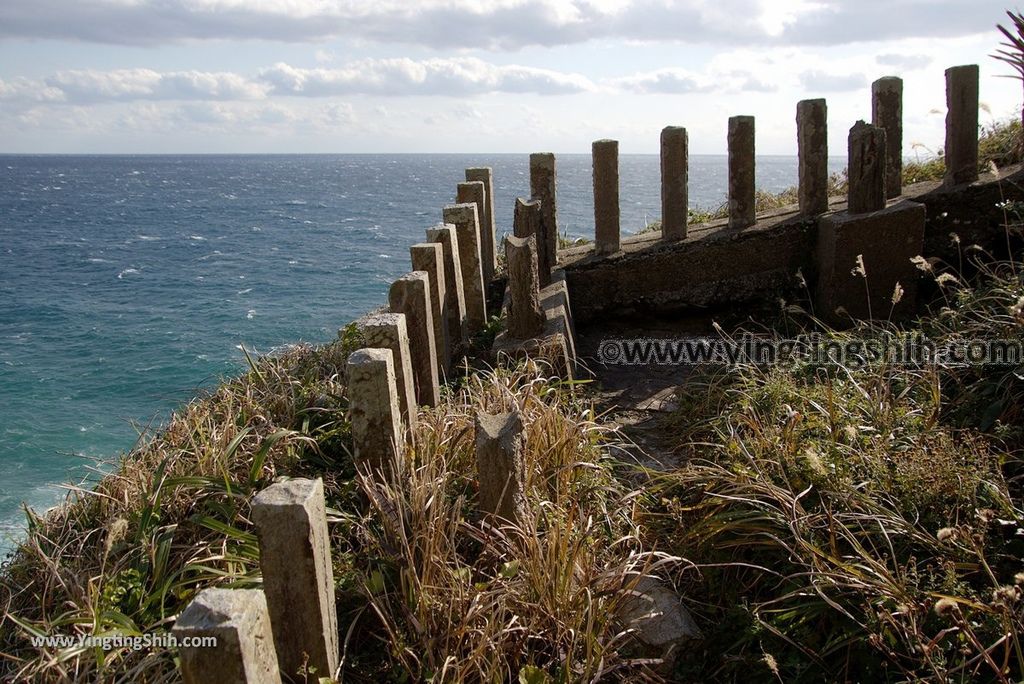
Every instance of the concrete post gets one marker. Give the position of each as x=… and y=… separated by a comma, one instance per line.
x=500, y=466
x=675, y=203
x=428, y=257
x=389, y=331
x=812, y=146
x=961, y=124
x=475, y=193
x=467, y=227
x=742, y=188
x=528, y=220
x=455, y=296
x=887, y=113
x=488, y=232
x=373, y=408
x=866, y=169
x=238, y=620
x=525, y=316
x=543, y=187
x=298, y=579
x=410, y=295
x=606, y=196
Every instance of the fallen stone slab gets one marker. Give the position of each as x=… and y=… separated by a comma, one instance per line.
x=658, y=618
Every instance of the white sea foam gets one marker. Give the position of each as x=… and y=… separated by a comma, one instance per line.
x=127, y=271
x=251, y=314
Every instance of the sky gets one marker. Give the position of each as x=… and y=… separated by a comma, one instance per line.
x=389, y=76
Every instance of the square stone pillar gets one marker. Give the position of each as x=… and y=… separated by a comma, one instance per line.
x=410, y=295
x=961, y=124
x=887, y=113
x=428, y=257
x=467, y=227
x=488, y=232
x=543, y=186
x=373, y=409
x=812, y=146
x=389, y=331
x=298, y=576
x=455, y=297
x=606, y=196
x=238, y=620
x=675, y=202
x=742, y=188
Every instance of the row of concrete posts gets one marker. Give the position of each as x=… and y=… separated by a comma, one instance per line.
x=290, y=626
x=876, y=151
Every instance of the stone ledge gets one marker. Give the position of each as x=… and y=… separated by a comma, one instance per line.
x=717, y=267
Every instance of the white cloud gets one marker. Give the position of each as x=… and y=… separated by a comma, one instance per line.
x=904, y=62
x=496, y=24
x=664, y=81
x=28, y=91
x=454, y=76
x=146, y=84
x=823, y=82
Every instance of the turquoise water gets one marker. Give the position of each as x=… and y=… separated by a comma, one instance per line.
x=128, y=282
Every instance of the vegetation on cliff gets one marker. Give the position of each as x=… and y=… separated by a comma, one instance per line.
x=859, y=522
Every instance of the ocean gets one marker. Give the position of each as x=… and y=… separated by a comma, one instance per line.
x=128, y=283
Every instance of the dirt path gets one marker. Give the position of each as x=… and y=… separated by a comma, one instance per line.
x=636, y=398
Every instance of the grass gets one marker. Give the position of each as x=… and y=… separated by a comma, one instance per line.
x=427, y=589
x=172, y=518
x=853, y=522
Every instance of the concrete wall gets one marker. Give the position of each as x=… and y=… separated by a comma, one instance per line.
x=716, y=267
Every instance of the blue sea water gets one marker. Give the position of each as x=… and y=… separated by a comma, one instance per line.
x=129, y=282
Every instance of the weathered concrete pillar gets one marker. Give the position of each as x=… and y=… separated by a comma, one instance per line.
x=475, y=193
x=389, y=331
x=373, y=408
x=467, y=227
x=812, y=146
x=410, y=295
x=428, y=257
x=543, y=187
x=887, y=113
x=298, y=578
x=528, y=220
x=606, y=196
x=742, y=188
x=455, y=297
x=675, y=202
x=961, y=124
x=238, y=620
x=866, y=169
x=500, y=466
x=488, y=239
x=525, y=316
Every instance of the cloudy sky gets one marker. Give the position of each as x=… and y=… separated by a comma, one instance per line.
x=472, y=75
